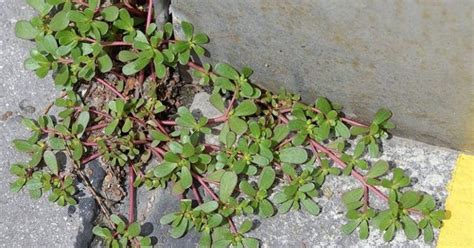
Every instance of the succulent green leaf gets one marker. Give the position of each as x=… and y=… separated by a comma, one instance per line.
x=126, y=55
x=110, y=13
x=105, y=63
x=59, y=21
x=323, y=105
x=217, y=102
x=373, y=149
x=353, y=196
x=23, y=145
x=380, y=168
x=267, y=177
x=205, y=241
x=246, y=188
x=102, y=232
x=410, y=228
x=350, y=226
x=109, y=129
x=245, y=226
x=355, y=130
x=227, y=185
x=343, y=130
x=185, y=119
x=24, y=30
x=428, y=234
x=208, y=207
x=237, y=125
x=389, y=233
x=188, y=29
x=251, y=243
x=265, y=208
x=186, y=178
x=201, y=39
x=311, y=206
x=134, y=229
x=364, y=230
x=410, y=199
x=168, y=218
x=382, y=115
x=294, y=155
x=51, y=162
x=164, y=169
x=158, y=135
x=245, y=108
x=83, y=121
x=226, y=71
x=280, y=133
x=180, y=230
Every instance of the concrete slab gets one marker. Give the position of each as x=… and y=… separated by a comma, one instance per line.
x=412, y=57
x=25, y=222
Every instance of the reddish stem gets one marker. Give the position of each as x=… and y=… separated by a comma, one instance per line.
x=156, y=153
x=283, y=143
x=196, y=193
x=149, y=14
x=233, y=229
x=206, y=188
x=111, y=87
x=115, y=43
x=106, y=43
x=89, y=143
x=366, y=197
x=231, y=103
x=131, y=193
x=354, y=173
x=198, y=68
x=98, y=126
x=216, y=120
x=90, y=158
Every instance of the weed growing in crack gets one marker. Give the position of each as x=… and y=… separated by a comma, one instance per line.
x=266, y=139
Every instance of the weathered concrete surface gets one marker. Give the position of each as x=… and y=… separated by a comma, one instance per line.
x=429, y=166
x=414, y=57
x=25, y=222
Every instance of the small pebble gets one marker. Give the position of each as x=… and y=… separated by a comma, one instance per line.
x=5, y=116
x=25, y=107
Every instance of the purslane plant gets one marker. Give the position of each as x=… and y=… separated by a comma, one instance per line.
x=274, y=155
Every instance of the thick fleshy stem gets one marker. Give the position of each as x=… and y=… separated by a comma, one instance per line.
x=231, y=103
x=216, y=120
x=131, y=193
x=149, y=14
x=211, y=193
x=196, y=193
x=107, y=43
x=110, y=87
x=91, y=157
x=366, y=198
x=97, y=127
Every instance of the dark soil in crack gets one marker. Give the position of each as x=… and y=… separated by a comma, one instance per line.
x=173, y=91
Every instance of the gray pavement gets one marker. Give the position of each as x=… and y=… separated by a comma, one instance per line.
x=24, y=222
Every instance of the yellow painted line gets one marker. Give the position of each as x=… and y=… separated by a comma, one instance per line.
x=458, y=230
